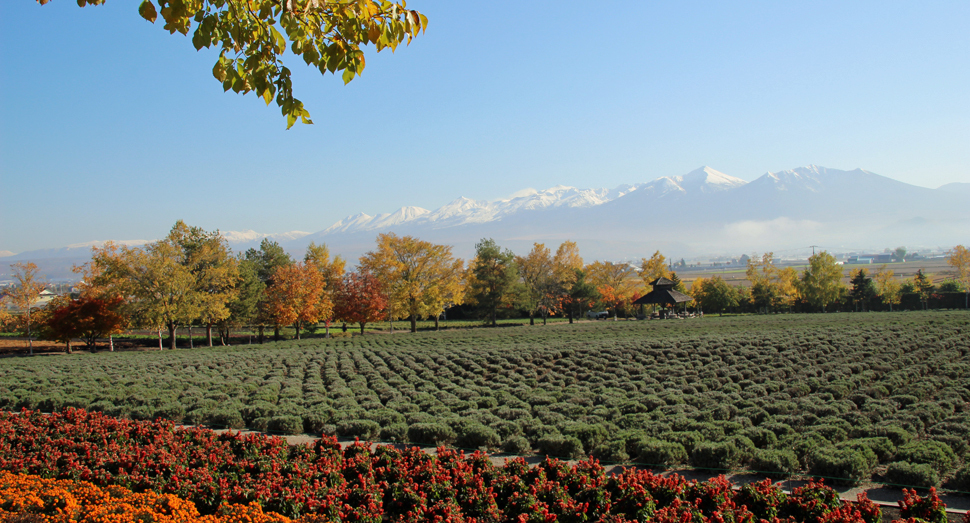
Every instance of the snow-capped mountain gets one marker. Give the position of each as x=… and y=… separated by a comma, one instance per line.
x=251, y=236
x=701, y=212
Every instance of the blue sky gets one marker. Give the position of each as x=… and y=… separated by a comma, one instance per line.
x=110, y=128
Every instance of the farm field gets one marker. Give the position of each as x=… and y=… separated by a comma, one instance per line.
x=848, y=397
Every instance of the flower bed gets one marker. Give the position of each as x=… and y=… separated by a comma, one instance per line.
x=324, y=483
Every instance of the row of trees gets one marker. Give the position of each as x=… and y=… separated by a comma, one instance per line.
x=820, y=285
x=191, y=278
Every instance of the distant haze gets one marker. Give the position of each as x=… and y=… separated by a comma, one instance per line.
x=699, y=214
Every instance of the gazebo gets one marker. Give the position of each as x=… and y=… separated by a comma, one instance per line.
x=663, y=293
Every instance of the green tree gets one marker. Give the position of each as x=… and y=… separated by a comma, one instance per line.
x=923, y=284
x=900, y=254
x=269, y=257
x=582, y=296
x=717, y=295
x=821, y=283
x=326, y=35
x=244, y=306
x=494, y=281
x=863, y=288
x=25, y=294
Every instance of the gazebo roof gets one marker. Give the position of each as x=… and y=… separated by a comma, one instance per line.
x=663, y=282
x=662, y=296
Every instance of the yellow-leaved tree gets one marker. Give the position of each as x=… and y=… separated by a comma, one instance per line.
x=959, y=259
x=887, y=287
x=653, y=268
x=420, y=278
x=763, y=275
x=252, y=35
x=567, y=264
x=25, y=293
x=332, y=272
x=536, y=271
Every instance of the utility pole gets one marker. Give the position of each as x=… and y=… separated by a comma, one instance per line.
x=813, y=249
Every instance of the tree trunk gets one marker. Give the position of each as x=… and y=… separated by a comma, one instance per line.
x=436, y=327
x=570, y=316
x=276, y=333
x=362, y=328
x=545, y=315
x=159, y=338
x=326, y=326
x=297, y=327
x=191, y=346
x=259, y=336
x=69, y=346
x=30, y=344
x=171, y=335
x=414, y=323
x=111, y=343
x=208, y=332
x=494, y=318
x=532, y=319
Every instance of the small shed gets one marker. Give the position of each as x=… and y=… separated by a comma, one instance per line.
x=663, y=293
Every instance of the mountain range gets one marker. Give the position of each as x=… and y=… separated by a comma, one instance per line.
x=704, y=212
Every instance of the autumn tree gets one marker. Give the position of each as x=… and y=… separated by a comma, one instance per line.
x=653, y=268
x=821, y=283
x=536, y=271
x=296, y=297
x=616, y=284
x=332, y=271
x=494, y=279
x=98, y=280
x=788, y=287
x=582, y=296
x=326, y=35
x=24, y=295
x=215, y=271
x=420, y=278
x=887, y=287
x=762, y=273
x=567, y=266
x=87, y=317
x=959, y=259
x=359, y=298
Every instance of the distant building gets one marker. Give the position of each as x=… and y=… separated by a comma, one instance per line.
x=871, y=258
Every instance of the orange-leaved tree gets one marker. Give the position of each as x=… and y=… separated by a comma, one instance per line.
x=88, y=318
x=296, y=296
x=360, y=299
x=617, y=283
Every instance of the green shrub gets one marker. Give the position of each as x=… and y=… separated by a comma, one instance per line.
x=475, y=436
x=364, y=429
x=559, y=446
x=395, y=432
x=431, y=434
x=724, y=455
x=516, y=445
x=226, y=418
x=779, y=463
x=907, y=474
x=658, y=453
x=613, y=451
x=961, y=481
x=687, y=439
x=589, y=435
x=898, y=435
x=844, y=466
x=936, y=454
x=881, y=446
x=285, y=425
